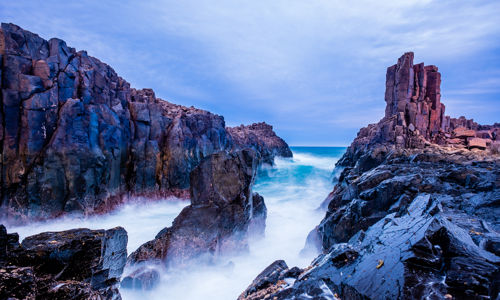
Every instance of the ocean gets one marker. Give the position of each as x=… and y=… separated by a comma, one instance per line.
x=293, y=189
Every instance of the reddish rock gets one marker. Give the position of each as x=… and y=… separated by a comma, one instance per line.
x=464, y=134
x=477, y=143
x=454, y=141
x=484, y=134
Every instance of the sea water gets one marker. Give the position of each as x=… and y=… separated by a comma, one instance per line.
x=293, y=189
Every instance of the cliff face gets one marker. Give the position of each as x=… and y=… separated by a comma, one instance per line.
x=413, y=215
x=74, y=136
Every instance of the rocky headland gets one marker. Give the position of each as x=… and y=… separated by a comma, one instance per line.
x=76, y=138
x=415, y=210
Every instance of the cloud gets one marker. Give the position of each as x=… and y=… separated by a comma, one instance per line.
x=302, y=66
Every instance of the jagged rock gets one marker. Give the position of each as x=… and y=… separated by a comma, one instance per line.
x=142, y=279
x=77, y=138
x=266, y=281
x=217, y=221
x=72, y=264
x=262, y=138
x=414, y=118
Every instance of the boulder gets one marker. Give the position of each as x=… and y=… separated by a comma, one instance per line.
x=465, y=134
x=478, y=143
x=143, y=278
x=82, y=263
x=484, y=134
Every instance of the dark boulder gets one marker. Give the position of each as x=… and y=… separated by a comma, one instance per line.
x=141, y=279
x=72, y=264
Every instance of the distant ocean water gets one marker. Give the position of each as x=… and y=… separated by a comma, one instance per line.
x=292, y=190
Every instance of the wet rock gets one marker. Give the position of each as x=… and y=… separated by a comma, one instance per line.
x=142, y=279
x=266, y=282
x=218, y=220
x=17, y=283
x=76, y=264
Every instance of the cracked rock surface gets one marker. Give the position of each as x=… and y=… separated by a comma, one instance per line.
x=72, y=264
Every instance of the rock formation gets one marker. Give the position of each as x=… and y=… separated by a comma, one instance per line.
x=413, y=215
x=219, y=220
x=262, y=138
x=72, y=264
x=75, y=137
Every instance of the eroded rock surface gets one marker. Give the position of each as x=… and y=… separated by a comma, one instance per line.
x=217, y=222
x=75, y=137
x=72, y=264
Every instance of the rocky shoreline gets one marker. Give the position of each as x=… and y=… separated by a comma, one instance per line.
x=414, y=214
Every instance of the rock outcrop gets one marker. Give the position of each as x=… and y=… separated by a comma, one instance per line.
x=262, y=138
x=219, y=220
x=412, y=215
x=72, y=264
x=75, y=137
x=414, y=119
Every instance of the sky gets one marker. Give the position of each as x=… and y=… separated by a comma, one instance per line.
x=313, y=69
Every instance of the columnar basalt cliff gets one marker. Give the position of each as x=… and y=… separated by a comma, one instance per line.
x=73, y=264
x=223, y=214
x=415, y=119
x=414, y=215
x=75, y=137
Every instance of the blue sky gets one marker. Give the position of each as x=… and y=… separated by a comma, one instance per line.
x=313, y=69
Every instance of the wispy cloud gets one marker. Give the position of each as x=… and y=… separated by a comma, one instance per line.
x=304, y=66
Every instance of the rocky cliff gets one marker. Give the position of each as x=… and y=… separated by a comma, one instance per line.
x=414, y=215
x=75, y=137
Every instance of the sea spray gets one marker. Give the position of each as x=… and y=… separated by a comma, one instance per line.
x=292, y=190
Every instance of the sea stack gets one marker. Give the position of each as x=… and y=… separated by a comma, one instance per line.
x=414, y=214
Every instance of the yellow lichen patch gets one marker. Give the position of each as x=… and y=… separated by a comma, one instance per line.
x=380, y=264
x=448, y=296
